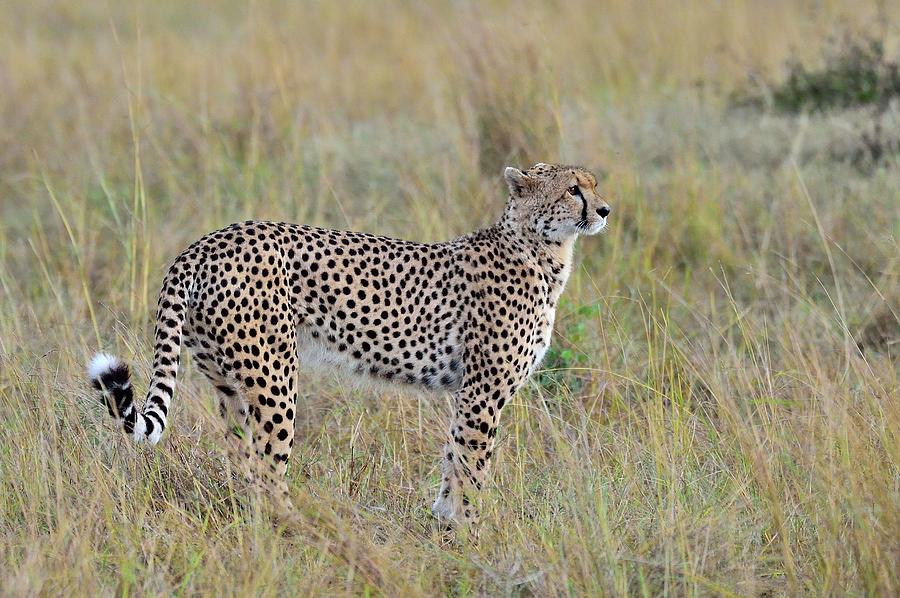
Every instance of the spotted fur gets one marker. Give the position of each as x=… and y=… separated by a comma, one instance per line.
x=472, y=316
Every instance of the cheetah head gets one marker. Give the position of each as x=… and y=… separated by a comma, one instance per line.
x=557, y=202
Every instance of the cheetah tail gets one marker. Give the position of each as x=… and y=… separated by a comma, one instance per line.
x=112, y=376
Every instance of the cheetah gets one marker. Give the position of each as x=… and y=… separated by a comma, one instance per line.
x=256, y=301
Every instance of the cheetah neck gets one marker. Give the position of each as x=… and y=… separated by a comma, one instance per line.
x=556, y=261
x=554, y=258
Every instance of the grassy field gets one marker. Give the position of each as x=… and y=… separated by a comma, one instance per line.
x=719, y=415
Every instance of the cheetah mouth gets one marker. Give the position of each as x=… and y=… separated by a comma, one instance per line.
x=586, y=227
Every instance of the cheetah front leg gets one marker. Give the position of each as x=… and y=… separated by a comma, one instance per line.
x=467, y=454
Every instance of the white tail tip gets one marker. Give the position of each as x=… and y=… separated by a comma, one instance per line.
x=101, y=364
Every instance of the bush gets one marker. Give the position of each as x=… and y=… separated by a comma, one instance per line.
x=855, y=73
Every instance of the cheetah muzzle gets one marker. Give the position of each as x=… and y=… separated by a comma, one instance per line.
x=473, y=316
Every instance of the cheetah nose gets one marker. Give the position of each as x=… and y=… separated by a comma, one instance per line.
x=603, y=211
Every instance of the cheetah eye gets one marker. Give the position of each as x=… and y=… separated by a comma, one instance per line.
x=574, y=190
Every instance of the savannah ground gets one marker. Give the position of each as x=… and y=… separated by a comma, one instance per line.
x=719, y=415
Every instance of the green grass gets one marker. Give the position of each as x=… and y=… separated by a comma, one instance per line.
x=719, y=414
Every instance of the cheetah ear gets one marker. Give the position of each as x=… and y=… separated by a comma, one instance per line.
x=517, y=180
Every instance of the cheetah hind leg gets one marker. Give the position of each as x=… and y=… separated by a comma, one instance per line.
x=272, y=404
x=272, y=443
x=253, y=473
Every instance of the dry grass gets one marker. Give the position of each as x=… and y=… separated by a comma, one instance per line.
x=707, y=424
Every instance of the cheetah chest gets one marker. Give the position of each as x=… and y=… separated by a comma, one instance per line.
x=543, y=330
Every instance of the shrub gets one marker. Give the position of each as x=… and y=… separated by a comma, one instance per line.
x=855, y=73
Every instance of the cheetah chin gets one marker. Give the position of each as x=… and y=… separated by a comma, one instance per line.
x=473, y=316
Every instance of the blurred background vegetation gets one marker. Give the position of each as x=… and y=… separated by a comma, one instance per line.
x=719, y=414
